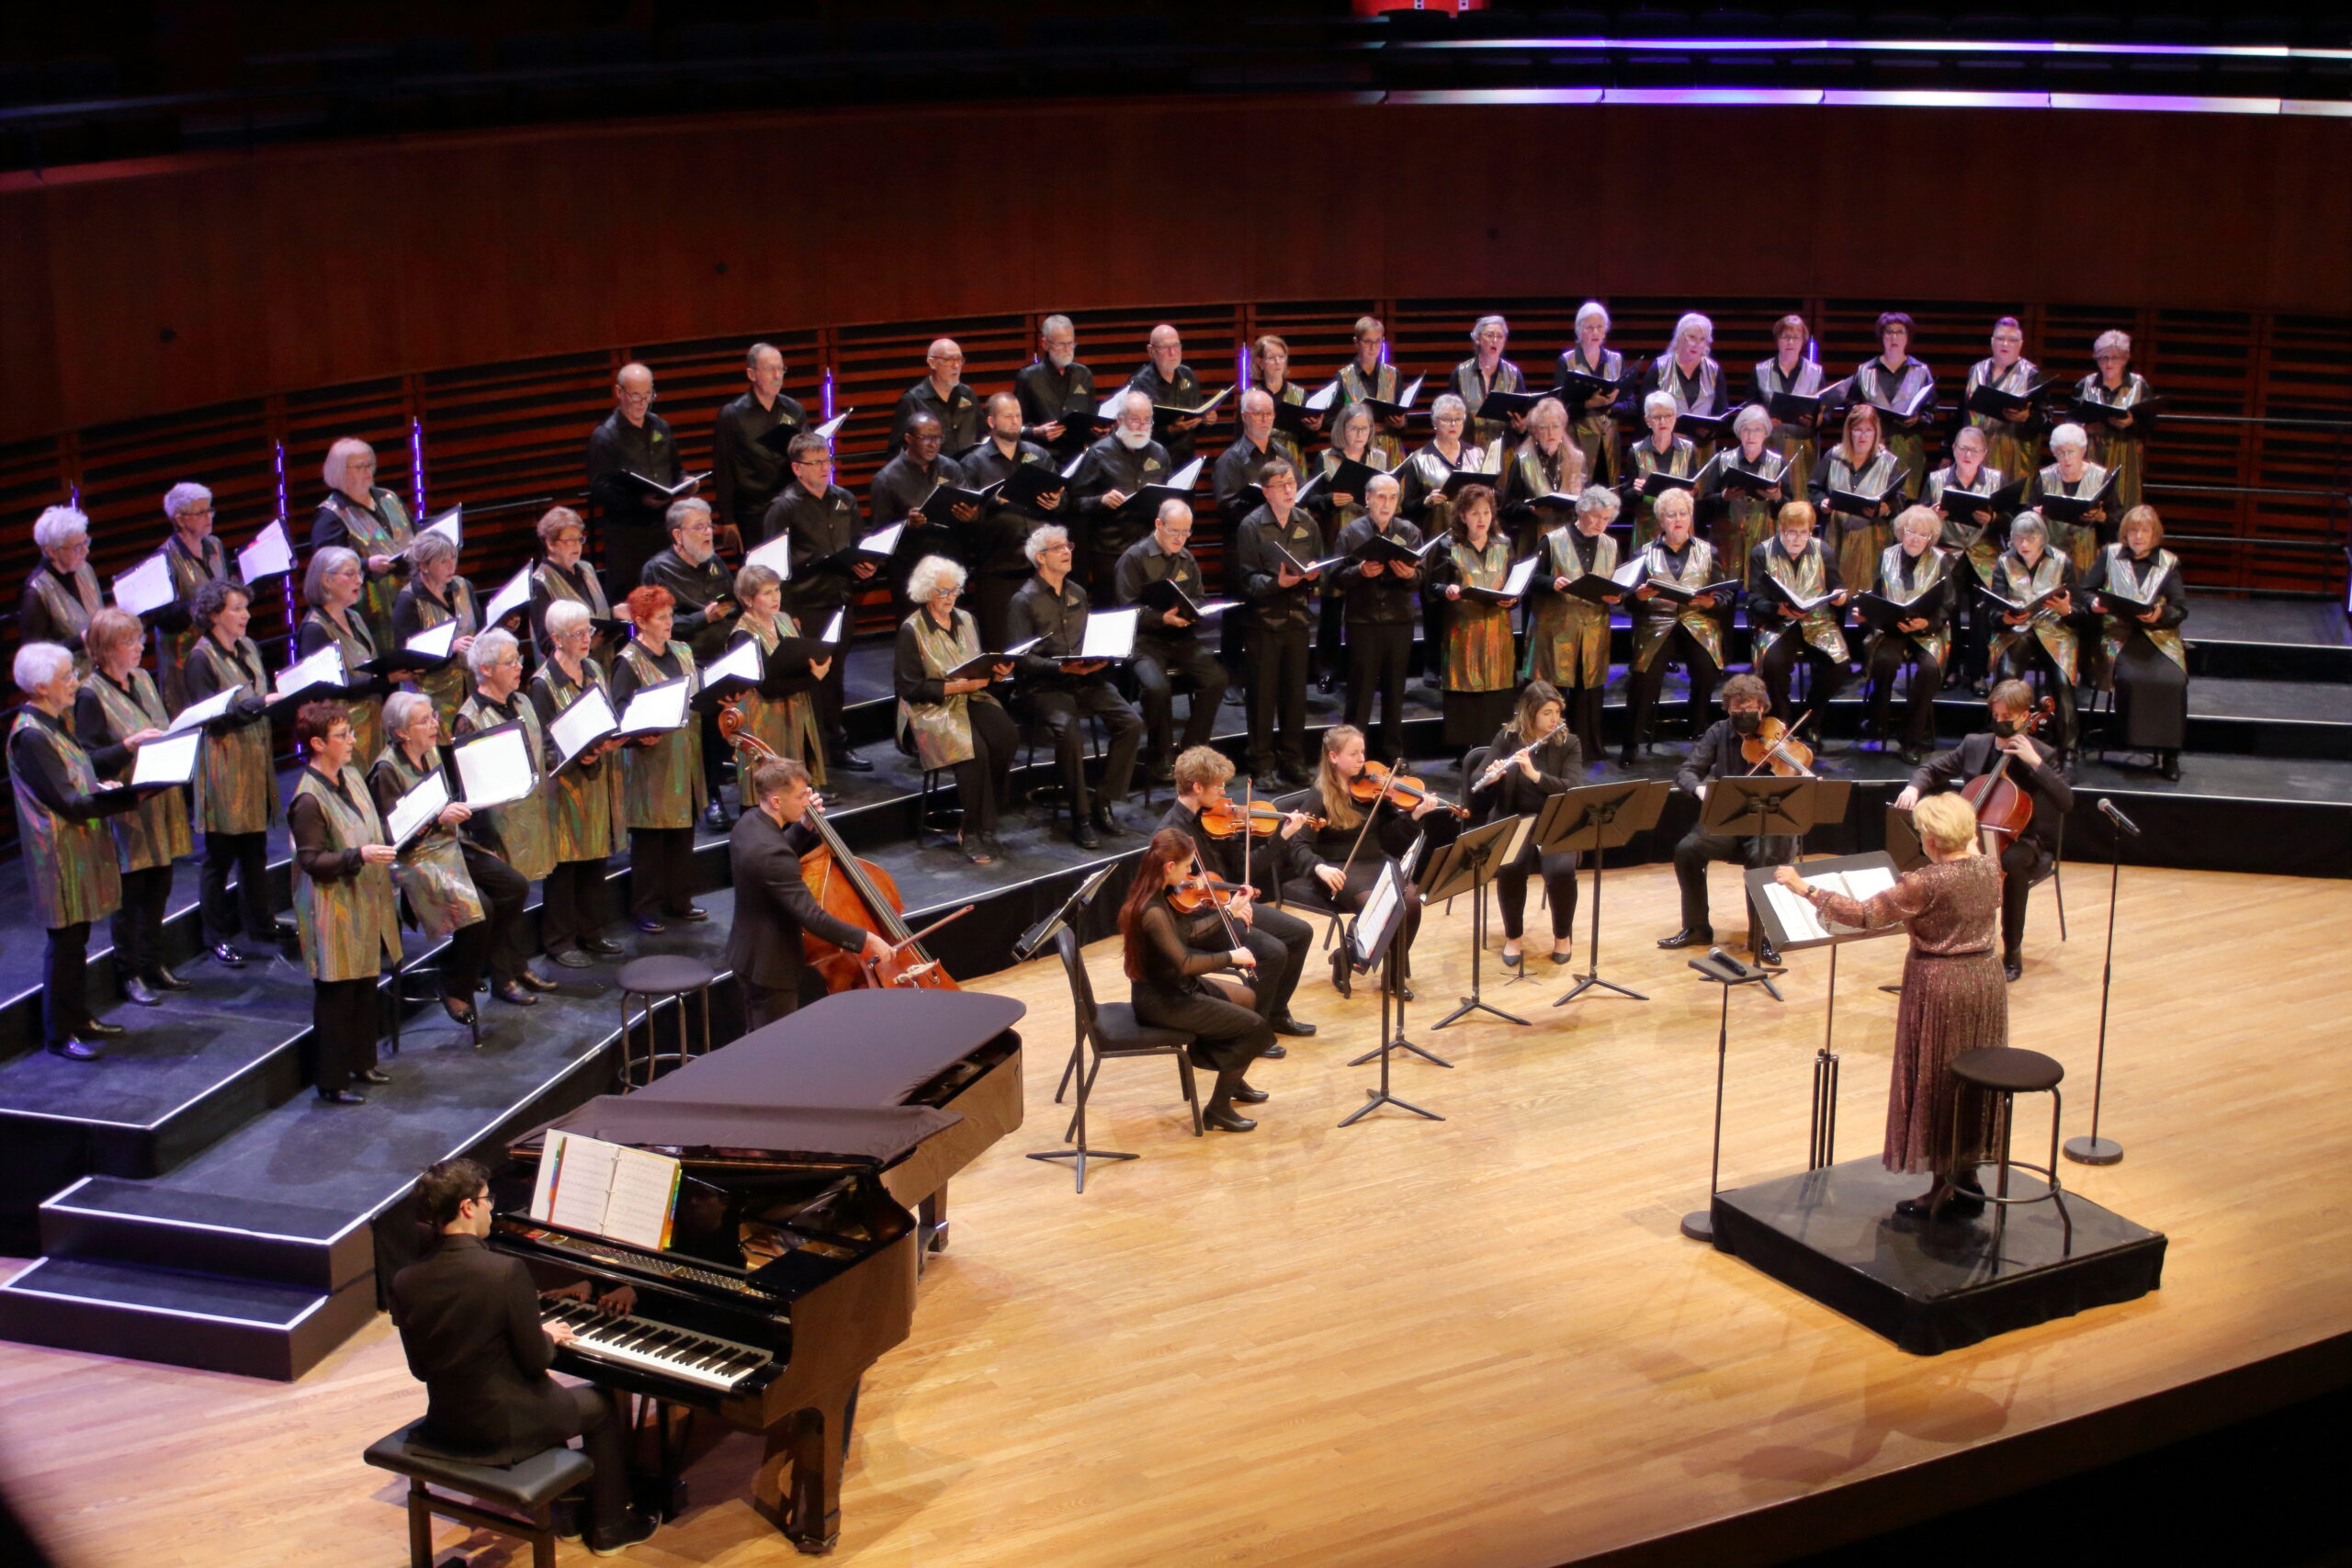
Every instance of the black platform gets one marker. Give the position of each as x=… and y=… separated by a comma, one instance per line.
x=1833, y=1235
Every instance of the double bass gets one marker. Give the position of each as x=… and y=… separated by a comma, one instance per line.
x=855, y=890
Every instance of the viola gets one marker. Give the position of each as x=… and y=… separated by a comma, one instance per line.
x=1774, y=745
x=1378, y=781
x=1224, y=820
x=2002, y=805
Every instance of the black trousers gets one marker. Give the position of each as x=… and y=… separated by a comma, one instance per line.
x=1278, y=677
x=661, y=866
x=828, y=693
x=499, y=947
x=2021, y=862
x=1331, y=636
x=1377, y=656
x=1893, y=651
x=1063, y=715
x=248, y=854
x=1691, y=858
x=65, y=982
x=717, y=758
x=1158, y=663
x=1350, y=899
x=568, y=901
x=1227, y=1037
x=764, y=1004
x=138, y=924
x=1778, y=668
x=1559, y=873
x=1584, y=718
x=345, y=1018
x=1647, y=683
x=604, y=1437
x=983, y=780
x=991, y=606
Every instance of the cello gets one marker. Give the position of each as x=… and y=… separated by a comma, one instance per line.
x=2001, y=804
x=855, y=890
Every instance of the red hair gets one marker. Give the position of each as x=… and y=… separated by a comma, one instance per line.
x=1151, y=876
x=647, y=601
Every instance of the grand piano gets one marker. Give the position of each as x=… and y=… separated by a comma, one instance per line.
x=816, y=1153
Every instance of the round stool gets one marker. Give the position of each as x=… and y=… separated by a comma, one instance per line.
x=670, y=974
x=2006, y=1072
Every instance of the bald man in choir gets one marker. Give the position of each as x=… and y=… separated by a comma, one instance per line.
x=633, y=441
x=748, y=445
x=1057, y=392
x=1115, y=468
x=1000, y=562
x=1168, y=382
x=943, y=395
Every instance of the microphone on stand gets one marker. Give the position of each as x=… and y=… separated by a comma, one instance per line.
x=2107, y=810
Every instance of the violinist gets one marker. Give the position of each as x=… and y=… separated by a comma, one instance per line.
x=1051, y=607
x=1794, y=562
x=1363, y=825
x=774, y=908
x=1718, y=755
x=1913, y=574
x=2033, y=768
x=1278, y=938
x=1536, y=756
x=1173, y=959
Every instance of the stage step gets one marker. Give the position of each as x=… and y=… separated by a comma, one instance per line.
x=105, y=1219
x=252, y=1328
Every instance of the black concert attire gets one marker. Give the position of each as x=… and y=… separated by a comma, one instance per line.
x=1707, y=391
x=707, y=635
x=1105, y=532
x=36, y=622
x=1972, y=547
x=1238, y=467
x=1061, y=703
x=963, y=418
x=1658, y=620
x=1890, y=649
x=579, y=583
x=1559, y=760
x=1181, y=390
x=998, y=561
x=1393, y=832
x=1279, y=622
x=1165, y=650
x=2145, y=663
x=39, y=769
x=1278, y=938
x=1176, y=951
x=585, y=803
x=1059, y=396
x=633, y=517
x=1717, y=756
x=1802, y=637
x=470, y=1325
x=746, y=470
x=772, y=907
x=1380, y=616
x=2046, y=641
x=2033, y=851
x=819, y=527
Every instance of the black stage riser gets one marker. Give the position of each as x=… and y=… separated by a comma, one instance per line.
x=150, y=1320
x=101, y=1219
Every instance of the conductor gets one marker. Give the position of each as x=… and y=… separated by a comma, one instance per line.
x=773, y=905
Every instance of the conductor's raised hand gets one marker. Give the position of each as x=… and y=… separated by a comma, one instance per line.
x=1786, y=876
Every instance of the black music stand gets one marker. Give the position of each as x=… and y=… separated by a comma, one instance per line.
x=1034, y=940
x=1463, y=866
x=1794, y=926
x=1371, y=940
x=1726, y=971
x=1753, y=805
x=1600, y=817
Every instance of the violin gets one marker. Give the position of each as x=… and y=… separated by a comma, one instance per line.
x=1196, y=893
x=1378, y=781
x=2002, y=805
x=1774, y=745
x=1224, y=820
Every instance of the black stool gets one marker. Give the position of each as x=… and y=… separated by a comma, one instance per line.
x=528, y=1488
x=2006, y=1072
x=670, y=975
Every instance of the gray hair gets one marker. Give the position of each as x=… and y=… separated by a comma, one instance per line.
x=1672, y=501
x=1449, y=403
x=1597, y=498
x=185, y=496
x=933, y=575
x=1044, y=539
x=681, y=512
x=1056, y=324
x=428, y=547
x=1966, y=430
x=1750, y=417
x=325, y=563
x=2030, y=524
x=339, y=455
x=1691, y=321
x=2070, y=435
x=401, y=710
x=1169, y=508
x=1483, y=323
x=1657, y=401
x=59, y=526
x=565, y=617
x=491, y=646
x=1380, y=480
x=39, y=663
x=1348, y=416
x=752, y=356
x=2111, y=338
x=1590, y=309
x=1547, y=410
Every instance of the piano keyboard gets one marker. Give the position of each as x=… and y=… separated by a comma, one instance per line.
x=651, y=1347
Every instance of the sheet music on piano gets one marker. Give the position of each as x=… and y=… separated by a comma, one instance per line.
x=608, y=1189
x=1803, y=922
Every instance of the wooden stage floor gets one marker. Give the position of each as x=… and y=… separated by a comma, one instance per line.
x=1467, y=1343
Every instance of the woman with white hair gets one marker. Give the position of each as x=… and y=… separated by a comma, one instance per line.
x=1484, y=373
x=2076, y=476
x=236, y=782
x=664, y=789
x=60, y=594
x=1661, y=452
x=519, y=836
x=1745, y=487
x=1960, y=493
x=955, y=722
x=332, y=586
x=2029, y=569
x=584, y=807
x=1903, y=389
x=2139, y=586
x=1593, y=422
x=362, y=517
x=195, y=556
x=431, y=872
x=1567, y=645
x=1916, y=575
x=1786, y=571
x=1687, y=371
x=1791, y=372
x=69, y=859
x=117, y=701
x=2119, y=440
x=1546, y=464
x=435, y=595
x=782, y=711
x=1693, y=632
x=1448, y=452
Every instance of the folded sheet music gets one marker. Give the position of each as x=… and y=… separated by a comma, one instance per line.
x=145, y=587
x=607, y=1189
x=495, y=767
x=170, y=761
x=267, y=556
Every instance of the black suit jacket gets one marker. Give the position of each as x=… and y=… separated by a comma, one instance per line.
x=2052, y=795
x=773, y=906
x=469, y=1323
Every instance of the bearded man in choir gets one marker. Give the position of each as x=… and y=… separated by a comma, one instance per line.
x=1117, y=467
x=1057, y=392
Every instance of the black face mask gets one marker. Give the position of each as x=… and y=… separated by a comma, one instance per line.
x=1747, y=723
x=2003, y=729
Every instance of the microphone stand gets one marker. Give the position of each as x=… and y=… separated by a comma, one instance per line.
x=2094, y=1149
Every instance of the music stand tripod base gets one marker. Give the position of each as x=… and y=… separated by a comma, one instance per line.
x=1078, y=1158
x=2094, y=1150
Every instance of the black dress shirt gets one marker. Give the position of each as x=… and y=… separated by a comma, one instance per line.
x=1270, y=605
x=999, y=537
x=1049, y=395
x=961, y=415
x=1058, y=620
x=773, y=906
x=745, y=470
x=1144, y=563
x=1181, y=390
x=1239, y=465
x=695, y=587
x=649, y=450
x=820, y=526
x=1383, y=600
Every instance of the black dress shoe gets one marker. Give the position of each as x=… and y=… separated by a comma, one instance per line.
x=1083, y=835
x=163, y=979
x=1283, y=1023
x=1404, y=990
x=460, y=1010
x=1296, y=778
x=1267, y=784
x=1225, y=1119
x=77, y=1050
x=649, y=926
x=1164, y=772
x=1273, y=1053
x=1767, y=953
x=374, y=1074
x=224, y=953
x=136, y=989
x=689, y=915
x=2170, y=767
x=849, y=762
x=530, y=981
x=1625, y=757
x=600, y=947
x=636, y=1528
x=1689, y=936
x=342, y=1097
x=1106, y=822
x=1249, y=1096
x=99, y=1029
x=714, y=816
x=2012, y=969
x=572, y=958
x=513, y=995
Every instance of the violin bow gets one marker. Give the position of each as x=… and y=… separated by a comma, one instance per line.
x=1209, y=884
x=1371, y=810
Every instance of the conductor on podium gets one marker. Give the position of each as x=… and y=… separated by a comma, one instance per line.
x=773, y=905
x=1717, y=755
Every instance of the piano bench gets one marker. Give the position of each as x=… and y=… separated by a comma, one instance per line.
x=527, y=1488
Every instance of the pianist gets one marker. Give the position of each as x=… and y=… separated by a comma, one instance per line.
x=469, y=1323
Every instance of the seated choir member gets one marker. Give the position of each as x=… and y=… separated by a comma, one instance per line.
x=1661, y=452
x=1592, y=424
x=1476, y=659
x=586, y=808
x=1694, y=633
x=1367, y=376
x=702, y=615
x=1000, y=540
x=1794, y=560
x=1970, y=530
x=520, y=833
x=1532, y=758
x=1380, y=597
x=943, y=395
x=61, y=592
x=563, y=575
x=1914, y=573
x=1357, y=839
x=1544, y=463
x=2142, y=656
x=118, y=700
x=2034, y=768
x=774, y=908
x=1567, y=645
x=342, y=900
x=1484, y=373
x=1351, y=441
x=1052, y=608
x=2122, y=443
x=1168, y=642
x=1792, y=372
x=662, y=786
x=1859, y=464
x=453, y=889
x=236, y=782
x=1891, y=382
x=1053, y=390
x=437, y=594
x=1115, y=468
x=470, y=1326
x=1175, y=963
x=633, y=440
x=955, y=721
x=781, y=711
x=1279, y=613
x=1168, y=382
x=2074, y=474
x=1262, y=865
x=193, y=557
x=2008, y=437
x=2045, y=639
x=332, y=586
x=1715, y=756
x=69, y=859
x=362, y=517
x=746, y=471
x=820, y=519
x=1743, y=516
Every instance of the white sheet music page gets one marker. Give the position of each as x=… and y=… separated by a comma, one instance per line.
x=577, y=1174
x=742, y=660
x=1110, y=633
x=655, y=709
x=495, y=768
x=269, y=554
x=1797, y=918
x=435, y=642
x=588, y=720
x=516, y=595
x=775, y=555
x=413, y=811
x=145, y=587
x=205, y=712
x=834, y=627
x=323, y=668
x=170, y=761
x=642, y=1197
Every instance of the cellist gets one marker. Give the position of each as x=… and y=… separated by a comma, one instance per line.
x=2033, y=768
x=774, y=908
